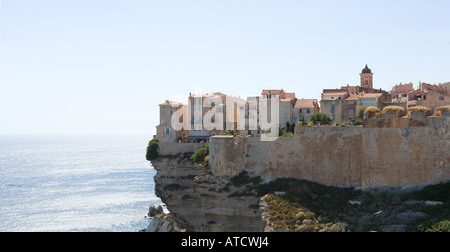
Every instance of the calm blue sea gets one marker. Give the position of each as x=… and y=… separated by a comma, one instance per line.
x=75, y=183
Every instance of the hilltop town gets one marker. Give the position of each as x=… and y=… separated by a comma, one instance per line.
x=213, y=166
x=340, y=105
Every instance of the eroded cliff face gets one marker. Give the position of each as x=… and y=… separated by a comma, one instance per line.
x=202, y=202
x=198, y=201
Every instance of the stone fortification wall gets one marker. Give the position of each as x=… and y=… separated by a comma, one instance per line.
x=372, y=156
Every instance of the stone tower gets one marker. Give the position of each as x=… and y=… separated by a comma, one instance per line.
x=366, y=78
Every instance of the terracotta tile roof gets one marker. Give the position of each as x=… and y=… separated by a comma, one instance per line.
x=334, y=94
x=290, y=95
x=305, y=103
x=169, y=103
x=352, y=97
x=370, y=95
x=272, y=92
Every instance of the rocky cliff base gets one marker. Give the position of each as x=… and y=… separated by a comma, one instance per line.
x=201, y=202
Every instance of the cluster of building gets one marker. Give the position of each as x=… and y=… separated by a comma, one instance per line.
x=341, y=104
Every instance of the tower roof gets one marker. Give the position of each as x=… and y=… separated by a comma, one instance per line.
x=366, y=70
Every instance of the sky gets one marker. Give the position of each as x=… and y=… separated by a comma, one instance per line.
x=103, y=66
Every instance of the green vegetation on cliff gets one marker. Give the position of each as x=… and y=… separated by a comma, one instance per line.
x=303, y=206
x=152, y=150
x=200, y=155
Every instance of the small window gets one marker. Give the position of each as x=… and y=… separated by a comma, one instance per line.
x=441, y=98
x=351, y=102
x=166, y=131
x=350, y=112
x=170, y=112
x=308, y=111
x=424, y=97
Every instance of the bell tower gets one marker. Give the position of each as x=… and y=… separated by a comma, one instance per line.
x=366, y=78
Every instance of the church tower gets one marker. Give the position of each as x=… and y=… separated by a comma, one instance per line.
x=366, y=78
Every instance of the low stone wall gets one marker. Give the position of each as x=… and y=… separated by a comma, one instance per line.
x=362, y=157
x=171, y=149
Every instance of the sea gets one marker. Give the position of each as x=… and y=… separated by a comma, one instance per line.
x=74, y=183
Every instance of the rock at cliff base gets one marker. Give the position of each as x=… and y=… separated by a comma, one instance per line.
x=153, y=210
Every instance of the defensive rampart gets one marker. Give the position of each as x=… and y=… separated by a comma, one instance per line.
x=385, y=152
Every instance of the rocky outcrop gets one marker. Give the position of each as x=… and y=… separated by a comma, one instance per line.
x=199, y=201
x=164, y=223
x=202, y=202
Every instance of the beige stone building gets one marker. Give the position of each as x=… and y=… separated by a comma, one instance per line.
x=165, y=131
x=427, y=95
x=304, y=109
x=343, y=104
x=209, y=115
x=286, y=104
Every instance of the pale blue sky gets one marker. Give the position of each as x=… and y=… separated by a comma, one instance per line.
x=103, y=66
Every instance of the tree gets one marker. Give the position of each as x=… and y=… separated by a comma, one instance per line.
x=290, y=128
x=321, y=117
x=199, y=156
x=152, y=150
x=280, y=130
x=361, y=112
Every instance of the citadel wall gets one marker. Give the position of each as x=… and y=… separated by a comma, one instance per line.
x=385, y=152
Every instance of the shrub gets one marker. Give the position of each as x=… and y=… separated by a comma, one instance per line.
x=438, y=111
x=152, y=150
x=321, y=117
x=442, y=226
x=371, y=111
x=425, y=110
x=443, y=109
x=419, y=109
x=243, y=178
x=395, y=109
x=200, y=155
x=287, y=135
x=232, y=132
x=344, y=123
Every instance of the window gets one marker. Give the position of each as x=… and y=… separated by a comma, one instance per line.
x=300, y=111
x=167, y=131
x=351, y=102
x=368, y=101
x=424, y=97
x=350, y=112
x=366, y=81
x=441, y=98
x=333, y=109
x=308, y=111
